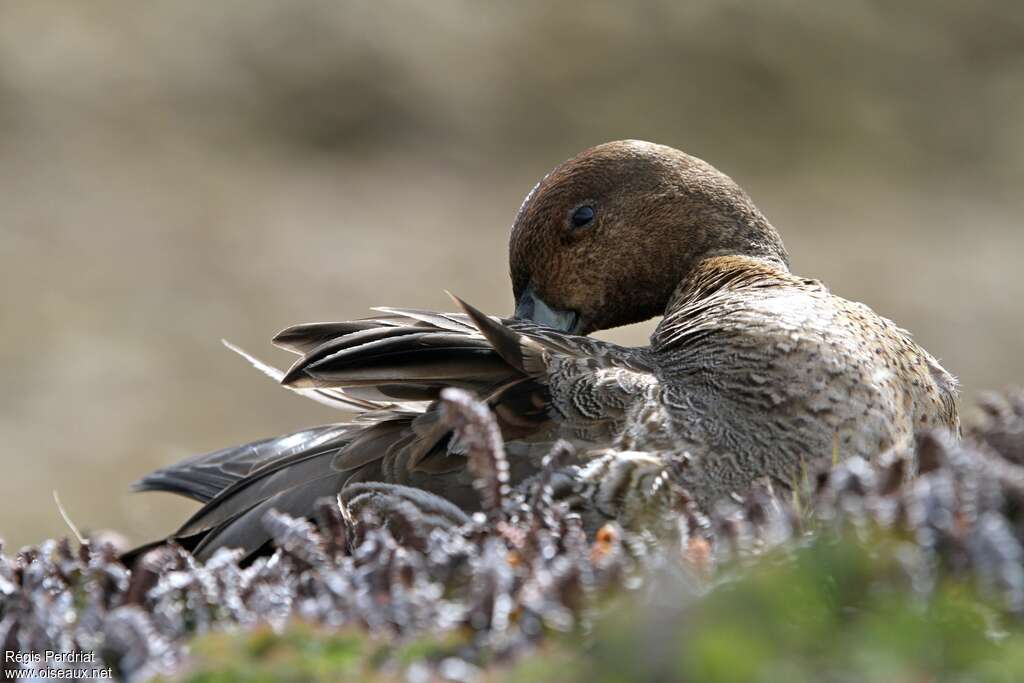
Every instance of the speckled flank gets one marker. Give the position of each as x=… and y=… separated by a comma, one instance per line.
x=763, y=372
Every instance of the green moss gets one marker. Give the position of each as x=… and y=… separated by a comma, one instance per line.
x=299, y=654
x=833, y=611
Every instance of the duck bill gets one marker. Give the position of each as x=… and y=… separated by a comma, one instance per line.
x=529, y=306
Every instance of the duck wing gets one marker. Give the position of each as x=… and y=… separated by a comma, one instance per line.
x=202, y=477
x=542, y=385
x=538, y=381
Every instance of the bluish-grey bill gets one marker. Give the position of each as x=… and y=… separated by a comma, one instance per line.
x=529, y=306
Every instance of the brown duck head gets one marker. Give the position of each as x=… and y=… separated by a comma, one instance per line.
x=606, y=238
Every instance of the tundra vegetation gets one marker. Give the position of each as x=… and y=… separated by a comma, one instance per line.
x=862, y=572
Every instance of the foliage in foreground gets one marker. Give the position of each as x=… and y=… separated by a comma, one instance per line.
x=834, y=611
x=865, y=573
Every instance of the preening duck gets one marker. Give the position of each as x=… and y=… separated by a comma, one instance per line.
x=752, y=373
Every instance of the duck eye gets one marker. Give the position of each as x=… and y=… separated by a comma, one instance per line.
x=582, y=216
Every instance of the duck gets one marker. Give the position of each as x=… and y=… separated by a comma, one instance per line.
x=753, y=373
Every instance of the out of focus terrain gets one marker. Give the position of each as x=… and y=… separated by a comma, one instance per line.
x=174, y=173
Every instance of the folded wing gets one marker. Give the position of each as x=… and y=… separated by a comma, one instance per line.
x=390, y=369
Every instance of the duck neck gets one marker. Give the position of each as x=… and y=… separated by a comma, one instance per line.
x=731, y=272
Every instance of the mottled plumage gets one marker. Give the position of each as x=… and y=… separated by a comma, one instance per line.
x=752, y=373
x=763, y=372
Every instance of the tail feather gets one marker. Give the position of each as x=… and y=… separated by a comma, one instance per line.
x=202, y=477
x=245, y=528
x=391, y=370
x=362, y=338
x=267, y=481
x=303, y=339
x=332, y=399
x=453, y=322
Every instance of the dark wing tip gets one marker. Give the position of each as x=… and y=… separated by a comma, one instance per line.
x=166, y=481
x=504, y=340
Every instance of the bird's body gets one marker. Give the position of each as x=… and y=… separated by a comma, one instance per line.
x=752, y=373
x=763, y=372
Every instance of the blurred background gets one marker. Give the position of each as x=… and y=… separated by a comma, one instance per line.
x=173, y=173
